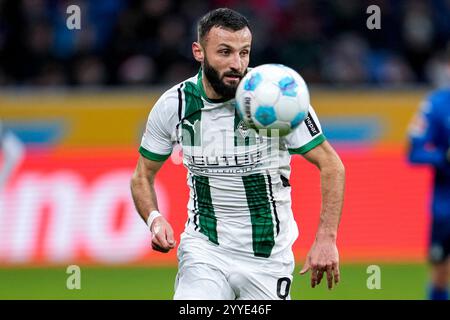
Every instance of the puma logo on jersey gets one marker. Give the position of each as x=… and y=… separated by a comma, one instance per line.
x=187, y=122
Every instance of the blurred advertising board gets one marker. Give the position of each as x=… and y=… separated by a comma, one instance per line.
x=69, y=200
x=75, y=207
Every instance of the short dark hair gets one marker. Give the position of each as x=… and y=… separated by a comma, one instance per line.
x=222, y=17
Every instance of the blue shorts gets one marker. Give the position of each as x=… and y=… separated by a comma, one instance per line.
x=439, y=249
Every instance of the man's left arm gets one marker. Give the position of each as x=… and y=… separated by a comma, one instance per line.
x=323, y=255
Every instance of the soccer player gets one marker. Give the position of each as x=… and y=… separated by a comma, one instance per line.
x=240, y=228
x=429, y=139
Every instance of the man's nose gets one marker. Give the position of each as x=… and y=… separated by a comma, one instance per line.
x=236, y=62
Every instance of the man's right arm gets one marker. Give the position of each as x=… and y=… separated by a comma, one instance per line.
x=155, y=148
x=144, y=197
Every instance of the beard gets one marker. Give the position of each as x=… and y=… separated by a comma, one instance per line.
x=226, y=91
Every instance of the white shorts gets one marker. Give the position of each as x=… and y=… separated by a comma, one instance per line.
x=207, y=272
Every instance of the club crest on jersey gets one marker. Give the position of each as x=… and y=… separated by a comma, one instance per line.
x=243, y=129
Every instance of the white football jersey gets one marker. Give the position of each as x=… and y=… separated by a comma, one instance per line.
x=239, y=181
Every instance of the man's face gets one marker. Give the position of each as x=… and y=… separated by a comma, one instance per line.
x=226, y=58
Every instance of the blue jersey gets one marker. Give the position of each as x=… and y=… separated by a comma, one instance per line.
x=429, y=137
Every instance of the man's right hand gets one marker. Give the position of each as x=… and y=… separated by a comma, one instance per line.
x=162, y=235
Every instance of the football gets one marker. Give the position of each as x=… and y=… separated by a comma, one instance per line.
x=272, y=99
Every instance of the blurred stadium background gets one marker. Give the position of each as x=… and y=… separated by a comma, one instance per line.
x=78, y=100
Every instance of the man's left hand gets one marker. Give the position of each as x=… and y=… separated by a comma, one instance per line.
x=323, y=257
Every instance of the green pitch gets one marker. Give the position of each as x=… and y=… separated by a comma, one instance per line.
x=398, y=281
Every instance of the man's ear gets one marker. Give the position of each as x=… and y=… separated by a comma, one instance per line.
x=197, y=51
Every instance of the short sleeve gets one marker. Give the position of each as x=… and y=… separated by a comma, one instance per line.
x=306, y=136
x=159, y=135
x=425, y=134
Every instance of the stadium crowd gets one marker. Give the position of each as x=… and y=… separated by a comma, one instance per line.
x=149, y=41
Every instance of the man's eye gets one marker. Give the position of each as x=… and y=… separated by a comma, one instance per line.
x=244, y=53
x=225, y=52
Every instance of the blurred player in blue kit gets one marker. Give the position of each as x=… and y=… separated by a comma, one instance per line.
x=429, y=139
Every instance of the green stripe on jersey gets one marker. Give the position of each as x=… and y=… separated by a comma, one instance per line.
x=309, y=146
x=261, y=214
x=207, y=218
x=192, y=112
